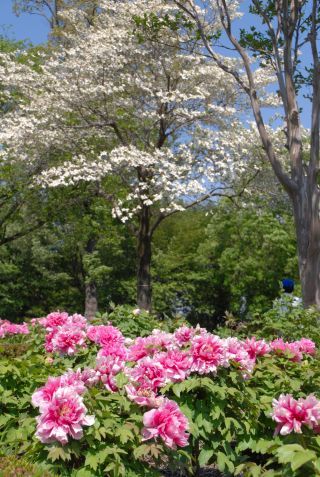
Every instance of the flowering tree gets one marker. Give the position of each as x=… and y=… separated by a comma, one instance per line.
x=283, y=31
x=109, y=102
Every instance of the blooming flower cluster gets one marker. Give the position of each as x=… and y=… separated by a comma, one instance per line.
x=150, y=363
x=65, y=334
x=293, y=350
x=7, y=328
x=291, y=414
x=62, y=411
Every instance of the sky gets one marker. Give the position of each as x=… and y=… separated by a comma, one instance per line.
x=26, y=27
x=35, y=29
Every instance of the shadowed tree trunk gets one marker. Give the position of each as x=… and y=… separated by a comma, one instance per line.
x=306, y=214
x=91, y=298
x=144, y=291
x=91, y=301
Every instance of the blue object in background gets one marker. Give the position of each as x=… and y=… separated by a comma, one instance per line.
x=288, y=285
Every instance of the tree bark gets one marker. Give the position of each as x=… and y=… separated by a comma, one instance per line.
x=144, y=290
x=91, y=300
x=90, y=288
x=307, y=222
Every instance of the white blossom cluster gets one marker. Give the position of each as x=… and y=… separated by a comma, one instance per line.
x=108, y=103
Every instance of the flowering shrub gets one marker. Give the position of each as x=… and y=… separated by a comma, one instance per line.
x=7, y=328
x=187, y=398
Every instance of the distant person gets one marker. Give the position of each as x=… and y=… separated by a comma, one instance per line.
x=287, y=300
x=288, y=285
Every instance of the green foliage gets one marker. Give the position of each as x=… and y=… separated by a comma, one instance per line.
x=135, y=322
x=285, y=320
x=229, y=415
x=18, y=467
x=230, y=259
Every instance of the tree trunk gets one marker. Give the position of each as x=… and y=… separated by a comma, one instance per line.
x=91, y=301
x=144, y=291
x=90, y=288
x=307, y=221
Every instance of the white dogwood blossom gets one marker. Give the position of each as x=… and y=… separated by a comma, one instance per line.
x=108, y=102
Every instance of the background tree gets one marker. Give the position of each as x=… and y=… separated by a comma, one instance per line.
x=55, y=267
x=109, y=102
x=282, y=31
x=231, y=259
x=19, y=204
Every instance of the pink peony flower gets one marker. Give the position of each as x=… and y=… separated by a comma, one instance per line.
x=114, y=349
x=291, y=414
x=207, y=353
x=42, y=396
x=89, y=377
x=64, y=416
x=236, y=352
x=48, y=346
x=177, y=364
x=183, y=335
x=67, y=339
x=106, y=370
x=167, y=422
x=312, y=406
x=292, y=350
x=256, y=347
x=307, y=346
x=77, y=320
x=148, y=374
x=8, y=328
x=143, y=397
x=75, y=380
x=104, y=335
x=148, y=346
x=55, y=319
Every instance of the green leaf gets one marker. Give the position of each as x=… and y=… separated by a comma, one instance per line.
x=286, y=453
x=204, y=456
x=224, y=462
x=56, y=453
x=301, y=457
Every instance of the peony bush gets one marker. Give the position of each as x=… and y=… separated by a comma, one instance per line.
x=84, y=399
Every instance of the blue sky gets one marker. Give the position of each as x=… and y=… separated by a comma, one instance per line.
x=26, y=27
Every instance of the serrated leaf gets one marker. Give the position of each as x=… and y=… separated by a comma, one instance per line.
x=301, y=457
x=56, y=453
x=286, y=453
x=204, y=456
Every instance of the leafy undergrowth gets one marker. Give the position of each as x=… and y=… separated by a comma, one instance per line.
x=179, y=402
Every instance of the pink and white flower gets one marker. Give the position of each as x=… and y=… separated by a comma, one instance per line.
x=292, y=350
x=106, y=370
x=183, y=335
x=307, y=346
x=148, y=374
x=143, y=397
x=177, y=364
x=208, y=353
x=167, y=422
x=55, y=319
x=291, y=414
x=104, y=335
x=256, y=347
x=64, y=416
x=67, y=339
